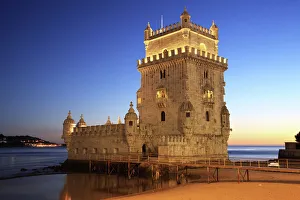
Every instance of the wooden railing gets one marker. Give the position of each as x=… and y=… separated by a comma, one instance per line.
x=192, y=160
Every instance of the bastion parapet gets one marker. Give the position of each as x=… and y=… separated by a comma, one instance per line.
x=177, y=26
x=179, y=52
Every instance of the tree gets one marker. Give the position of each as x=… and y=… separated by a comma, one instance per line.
x=297, y=137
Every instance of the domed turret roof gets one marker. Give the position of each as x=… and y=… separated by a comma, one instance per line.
x=148, y=27
x=81, y=122
x=108, y=122
x=225, y=110
x=213, y=25
x=185, y=12
x=69, y=119
x=131, y=113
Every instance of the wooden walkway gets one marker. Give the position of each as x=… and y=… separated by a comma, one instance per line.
x=212, y=165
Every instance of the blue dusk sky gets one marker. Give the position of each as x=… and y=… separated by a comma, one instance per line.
x=81, y=56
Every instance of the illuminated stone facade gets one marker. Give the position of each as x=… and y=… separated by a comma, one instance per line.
x=180, y=101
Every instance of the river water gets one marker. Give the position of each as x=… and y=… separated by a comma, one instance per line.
x=86, y=186
x=13, y=159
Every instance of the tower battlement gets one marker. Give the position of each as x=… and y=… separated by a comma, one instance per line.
x=179, y=52
x=177, y=26
x=101, y=130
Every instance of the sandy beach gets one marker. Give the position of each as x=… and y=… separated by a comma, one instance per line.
x=262, y=186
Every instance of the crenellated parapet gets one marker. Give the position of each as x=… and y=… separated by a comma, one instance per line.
x=99, y=130
x=181, y=52
x=177, y=26
x=173, y=140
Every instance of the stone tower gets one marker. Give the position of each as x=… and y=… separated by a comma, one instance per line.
x=68, y=126
x=181, y=98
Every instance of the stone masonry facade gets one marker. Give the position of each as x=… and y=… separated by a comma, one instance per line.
x=180, y=102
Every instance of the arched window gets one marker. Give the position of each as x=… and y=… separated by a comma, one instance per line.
x=161, y=74
x=165, y=53
x=164, y=73
x=163, y=116
x=202, y=47
x=207, y=116
x=130, y=123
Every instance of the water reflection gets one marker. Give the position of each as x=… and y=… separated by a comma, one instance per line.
x=99, y=186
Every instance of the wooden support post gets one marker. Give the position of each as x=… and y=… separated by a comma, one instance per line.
x=224, y=161
x=250, y=163
x=247, y=171
x=217, y=174
x=238, y=173
x=278, y=164
x=128, y=171
x=207, y=169
x=108, y=167
x=258, y=164
x=90, y=166
x=287, y=163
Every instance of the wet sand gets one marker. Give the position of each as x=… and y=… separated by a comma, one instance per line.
x=262, y=186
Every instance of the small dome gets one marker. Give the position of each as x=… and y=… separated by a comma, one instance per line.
x=185, y=12
x=81, y=122
x=131, y=113
x=148, y=27
x=224, y=110
x=214, y=25
x=108, y=122
x=69, y=119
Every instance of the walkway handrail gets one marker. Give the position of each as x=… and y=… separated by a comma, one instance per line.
x=198, y=160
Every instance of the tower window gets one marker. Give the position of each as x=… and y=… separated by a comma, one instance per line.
x=163, y=116
x=130, y=123
x=162, y=74
x=205, y=74
x=185, y=20
x=207, y=116
x=187, y=114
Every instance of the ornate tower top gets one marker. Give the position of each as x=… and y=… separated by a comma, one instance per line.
x=108, y=122
x=119, y=120
x=81, y=122
x=69, y=119
x=185, y=19
x=179, y=35
x=131, y=113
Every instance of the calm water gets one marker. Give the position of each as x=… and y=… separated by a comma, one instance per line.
x=13, y=159
x=85, y=186
x=76, y=187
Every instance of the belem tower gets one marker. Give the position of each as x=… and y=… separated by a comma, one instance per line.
x=180, y=102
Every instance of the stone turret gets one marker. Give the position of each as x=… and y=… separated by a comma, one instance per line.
x=147, y=32
x=131, y=120
x=68, y=126
x=108, y=122
x=119, y=120
x=81, y=122
x=214, y=30
x=185, y=19
x=131, y=128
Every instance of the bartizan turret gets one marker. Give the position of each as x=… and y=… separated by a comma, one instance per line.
x=185, y=19
x=147, y=32
x=214, y=30
x=131, y=127
x=81, y=122
x=68, y=126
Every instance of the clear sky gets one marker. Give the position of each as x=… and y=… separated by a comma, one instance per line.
x=81, y=56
